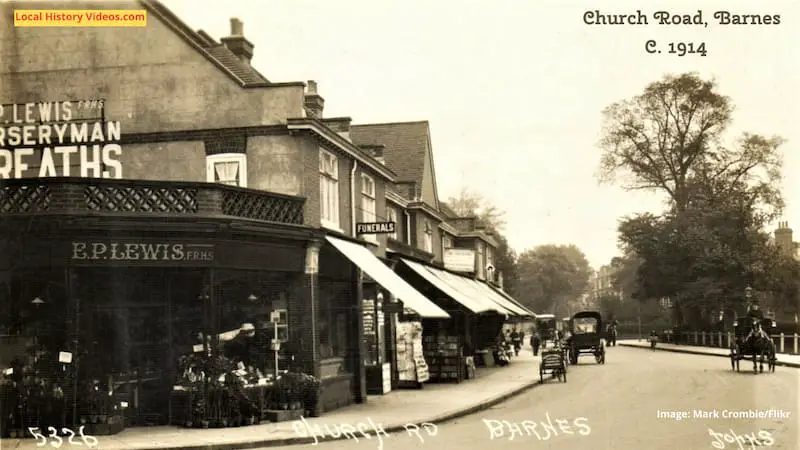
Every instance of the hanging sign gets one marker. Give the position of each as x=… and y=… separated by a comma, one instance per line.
x=375, y=227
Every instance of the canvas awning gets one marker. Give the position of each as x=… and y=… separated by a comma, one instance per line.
x=467, y=301
x=502, y=300
x=383, y=275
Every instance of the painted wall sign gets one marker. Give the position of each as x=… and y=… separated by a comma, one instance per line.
x=59, y=139
x=459, y=259
x=140, y=251
x=375, y=227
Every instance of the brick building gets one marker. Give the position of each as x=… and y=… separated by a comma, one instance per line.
x=164, y=200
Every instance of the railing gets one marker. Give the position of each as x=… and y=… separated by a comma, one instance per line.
x=42, y=196
x=784, y=343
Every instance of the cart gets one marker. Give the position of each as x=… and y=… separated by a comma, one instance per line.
x=553, y=362
x=586, y=337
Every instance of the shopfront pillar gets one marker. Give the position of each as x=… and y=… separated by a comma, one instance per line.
x=306, y=313
x=361, y=353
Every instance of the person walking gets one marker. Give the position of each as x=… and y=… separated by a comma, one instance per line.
x=536, y=341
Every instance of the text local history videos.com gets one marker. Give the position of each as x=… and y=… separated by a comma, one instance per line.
x=58, y=129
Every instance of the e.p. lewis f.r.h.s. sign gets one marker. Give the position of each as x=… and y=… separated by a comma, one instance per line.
x=375, y=227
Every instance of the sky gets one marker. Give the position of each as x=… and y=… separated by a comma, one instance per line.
x=514, y=89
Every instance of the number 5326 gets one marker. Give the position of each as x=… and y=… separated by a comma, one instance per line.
x=57, y=441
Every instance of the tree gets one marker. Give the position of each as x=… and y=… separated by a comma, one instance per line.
x=551, y=276
x=669, y=138
x=709, y=244
x=472, y=204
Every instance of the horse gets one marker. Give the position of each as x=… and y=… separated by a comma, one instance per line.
x=762, y=349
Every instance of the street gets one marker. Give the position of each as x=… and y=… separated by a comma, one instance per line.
x=638, y=400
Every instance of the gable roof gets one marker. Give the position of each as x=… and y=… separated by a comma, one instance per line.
x=407, y=146
x=449, y=212
x=240, y=71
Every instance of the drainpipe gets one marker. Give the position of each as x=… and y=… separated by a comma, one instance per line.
x=408, y=227
x=353, y=199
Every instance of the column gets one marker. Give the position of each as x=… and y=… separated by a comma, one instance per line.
x=361, y=353
x=305, y=313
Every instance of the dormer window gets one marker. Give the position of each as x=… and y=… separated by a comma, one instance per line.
x=227, y=168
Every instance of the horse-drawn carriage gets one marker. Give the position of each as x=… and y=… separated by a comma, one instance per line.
x=546, y=326
x=587, y=336
x=749, y=342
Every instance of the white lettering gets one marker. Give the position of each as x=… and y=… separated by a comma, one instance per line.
x=78, y=133
x=92, y=163
x=48, y=168
x=19, y=165
x=6, y=163
x=503, y=428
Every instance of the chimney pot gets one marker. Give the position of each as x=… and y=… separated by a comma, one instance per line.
x=312, y=87
x=237, y=27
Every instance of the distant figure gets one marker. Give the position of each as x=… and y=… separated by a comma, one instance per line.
x=755, y=311
x=516, y=341
x=536, y=341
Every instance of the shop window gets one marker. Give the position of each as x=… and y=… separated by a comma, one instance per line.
x=368, y=204
x=333, y=329
x=329, y=189
x=428, y=237
x=391, y=216
x=227, y=168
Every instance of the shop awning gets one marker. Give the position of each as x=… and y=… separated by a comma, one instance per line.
x=515, y=301
x=383, y=275
x=503, y=300
x=466, y=300
x=471, y=288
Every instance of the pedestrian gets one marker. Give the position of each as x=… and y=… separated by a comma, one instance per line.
x=535, y=342
x=516, y=341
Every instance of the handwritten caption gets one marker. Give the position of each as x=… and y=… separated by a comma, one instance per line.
x=761, y=438
x=697, y=19
x=362, y=430
x=56, y=441
x=544, y=430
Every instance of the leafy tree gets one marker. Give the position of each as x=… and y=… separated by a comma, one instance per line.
x=471, y=204
x=669, y=138
x=709, y=244
x=551, y=276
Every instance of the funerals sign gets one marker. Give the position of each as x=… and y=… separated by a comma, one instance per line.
x=375, y=228
x=59, y=139
x=141, y=253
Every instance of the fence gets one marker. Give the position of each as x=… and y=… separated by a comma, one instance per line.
x=784, y=342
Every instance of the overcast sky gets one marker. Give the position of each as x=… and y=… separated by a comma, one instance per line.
x=513, y=90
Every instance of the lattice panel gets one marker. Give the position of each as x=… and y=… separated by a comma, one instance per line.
x=141, y=199
x=24, y=199
x=262, y=207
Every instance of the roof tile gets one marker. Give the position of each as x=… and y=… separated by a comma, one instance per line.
x=405, y=144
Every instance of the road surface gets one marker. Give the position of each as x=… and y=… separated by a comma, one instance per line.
x=638, y=400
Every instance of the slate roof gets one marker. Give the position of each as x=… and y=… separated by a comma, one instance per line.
x=405, y=146
x=449, y=212
x=242, y=71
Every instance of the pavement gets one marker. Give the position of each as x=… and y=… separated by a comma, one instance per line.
x=783, y=359
x=637, y=400
x=396, y=411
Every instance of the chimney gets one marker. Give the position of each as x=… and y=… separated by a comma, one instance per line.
x=313, y=103
x=376, y=151
x=237, y=43
x=784, y=239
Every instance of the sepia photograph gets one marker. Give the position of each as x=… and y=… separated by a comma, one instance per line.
x=390, y=225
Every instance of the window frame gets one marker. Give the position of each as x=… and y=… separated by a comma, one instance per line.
x=212, y=160
x=427, y=240
x=368, y=197
x=332, y=220
x=389, y=213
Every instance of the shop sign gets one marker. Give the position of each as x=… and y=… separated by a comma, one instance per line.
x=164, y=252
x=459, y=260
x=375, y=227
x=59, y=139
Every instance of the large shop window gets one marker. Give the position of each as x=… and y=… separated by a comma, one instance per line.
x=329, y=189
x=333, y=319
x=368, y=204
x=391, y=216
x=428, y=237
x=227, y=168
